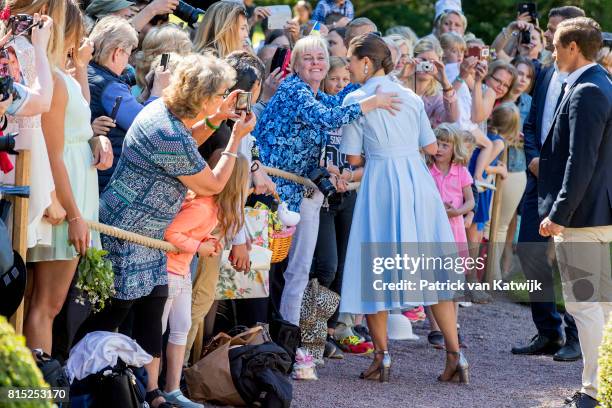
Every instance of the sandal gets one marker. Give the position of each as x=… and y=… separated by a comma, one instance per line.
x=153, y=395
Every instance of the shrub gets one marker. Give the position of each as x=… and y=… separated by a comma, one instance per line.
x=605, y=367
x=17, y=367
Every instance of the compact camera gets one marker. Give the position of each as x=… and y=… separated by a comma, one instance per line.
x=321, y=177
x=7, y=87
x=425, y=66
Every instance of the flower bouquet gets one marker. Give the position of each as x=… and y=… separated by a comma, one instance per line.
x=96, y=279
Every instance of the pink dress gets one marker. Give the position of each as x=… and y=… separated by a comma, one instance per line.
x=451, y=187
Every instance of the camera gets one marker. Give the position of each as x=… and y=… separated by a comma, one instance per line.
x=21, y=23
x=525, y=37
x=425, y=66
x=7, y=87
x=7, y=143
x=243, y=103
x=188, y=13
x=321, y=177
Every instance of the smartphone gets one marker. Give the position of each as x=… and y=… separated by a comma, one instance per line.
x=281, y=59
x=474, y=51
x=113, y=114
x=243, y=102
x=531, y=8
x=164, y=60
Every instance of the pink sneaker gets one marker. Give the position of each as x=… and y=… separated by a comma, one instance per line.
x=415, y=315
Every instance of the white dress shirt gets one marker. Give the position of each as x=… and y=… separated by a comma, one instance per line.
x=552, y=95
x=573, y=77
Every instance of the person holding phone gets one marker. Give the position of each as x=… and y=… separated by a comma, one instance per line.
x=114, y=39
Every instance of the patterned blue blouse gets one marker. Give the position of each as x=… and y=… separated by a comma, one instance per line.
x=144, y=195
x=293, y=129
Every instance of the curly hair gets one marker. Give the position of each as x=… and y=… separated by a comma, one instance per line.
x=197, y=79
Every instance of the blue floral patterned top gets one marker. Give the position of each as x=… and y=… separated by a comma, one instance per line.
x=144, y=195
x=293, y=129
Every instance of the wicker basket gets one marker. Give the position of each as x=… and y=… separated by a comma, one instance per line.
x=280, y=242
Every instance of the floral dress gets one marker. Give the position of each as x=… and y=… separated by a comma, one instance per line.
x=293, y=129
x=145, y=195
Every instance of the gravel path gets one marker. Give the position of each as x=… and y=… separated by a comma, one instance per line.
x=498, y=378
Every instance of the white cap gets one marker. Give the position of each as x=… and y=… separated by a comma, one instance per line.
x=445, y=5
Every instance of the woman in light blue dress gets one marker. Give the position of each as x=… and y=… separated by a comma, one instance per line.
x=397, y=203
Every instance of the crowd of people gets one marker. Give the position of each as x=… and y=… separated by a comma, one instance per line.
x=131, y=119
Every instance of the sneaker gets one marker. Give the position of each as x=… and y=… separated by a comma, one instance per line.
x=362, y=332
x=331, y=351
x=415, y=315
x=464, y=304
x=177, y=398
x=355, y=345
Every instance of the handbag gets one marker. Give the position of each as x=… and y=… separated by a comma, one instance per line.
x=252, y=284
x=210, y=379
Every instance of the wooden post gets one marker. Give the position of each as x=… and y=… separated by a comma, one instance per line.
x=20, y=224
x=493, y=246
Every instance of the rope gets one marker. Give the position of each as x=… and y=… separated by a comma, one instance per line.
x=300, y=180
x=132, y=237
x=168, y=247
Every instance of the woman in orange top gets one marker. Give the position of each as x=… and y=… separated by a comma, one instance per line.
x=191, y=232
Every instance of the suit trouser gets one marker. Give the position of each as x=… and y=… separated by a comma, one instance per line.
x=583, y=255
x=203, y=295
x=533, y=254
x=300, y=258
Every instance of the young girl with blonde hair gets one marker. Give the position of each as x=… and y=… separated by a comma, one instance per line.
x=192, y=232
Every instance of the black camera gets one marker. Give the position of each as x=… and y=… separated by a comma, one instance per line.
x=525, y=37
x=7, y=143
x=7, y=87
x=188, y=13
x=22, y=23
x=321, y=177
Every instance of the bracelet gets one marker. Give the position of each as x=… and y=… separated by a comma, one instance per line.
x=73, y=219
x=211, y=126
x=226, y=153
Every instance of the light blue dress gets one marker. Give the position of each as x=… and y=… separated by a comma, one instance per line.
x=398, y=209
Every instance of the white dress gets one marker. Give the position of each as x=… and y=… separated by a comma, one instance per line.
x=31, y=138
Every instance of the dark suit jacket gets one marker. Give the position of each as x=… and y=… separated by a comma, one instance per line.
x=575, y=183
x=532, y=128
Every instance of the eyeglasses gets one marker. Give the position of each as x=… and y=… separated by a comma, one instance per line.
x=224, y=95
x=500, y=82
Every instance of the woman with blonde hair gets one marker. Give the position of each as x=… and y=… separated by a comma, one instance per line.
x=159, y=40
x=67, y=134
x=223, y=29
x=404, y=47
x=433, y=87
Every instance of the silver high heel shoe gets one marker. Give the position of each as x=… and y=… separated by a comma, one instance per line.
x=381, y=371
x=461, y=373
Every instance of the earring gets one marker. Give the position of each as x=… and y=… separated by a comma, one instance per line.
x=365, y=69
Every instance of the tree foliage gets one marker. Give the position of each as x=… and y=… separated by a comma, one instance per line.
x=485, y=17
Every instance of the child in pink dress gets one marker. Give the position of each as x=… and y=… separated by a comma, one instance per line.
x=454, y=183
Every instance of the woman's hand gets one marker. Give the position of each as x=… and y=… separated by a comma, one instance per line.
x=480, y=71
x=163, y=6
x=292, y=31
x=467, y=67
x=54, y=214
x=409, y=69
x=41, y=35
x=102, y=125
x=271, y=84
x=440, y=73
x=239, y=258
x=262, y=183
x=389, y=101
x=78, y=234
x=244, y=125
x=520, y=25
x=85, y=53
x=103, y=152
x=227, y=109
x=259, y=14
x=161, y=81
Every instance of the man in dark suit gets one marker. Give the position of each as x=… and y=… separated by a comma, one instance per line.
x=575, y=191
x=533, y=249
